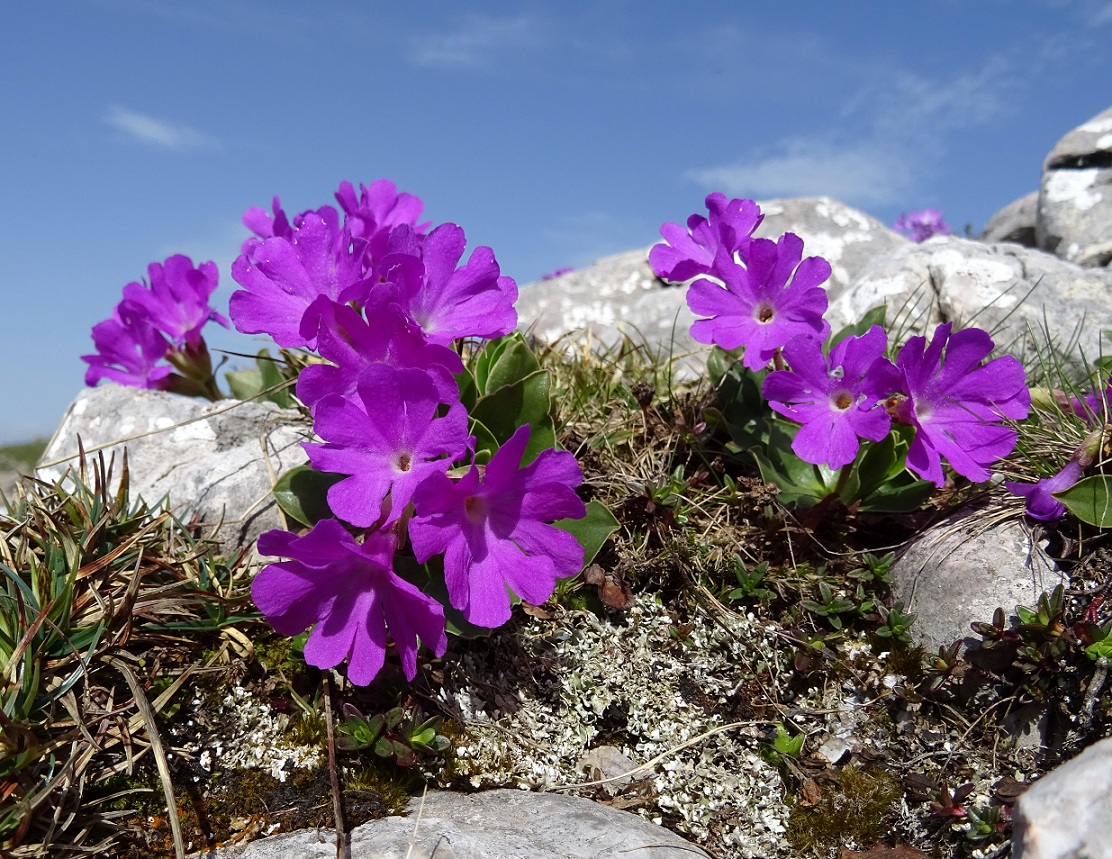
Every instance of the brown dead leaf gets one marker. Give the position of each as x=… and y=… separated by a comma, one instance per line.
x=811, y=795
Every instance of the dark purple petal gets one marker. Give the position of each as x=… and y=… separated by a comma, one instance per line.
x=1041, y=503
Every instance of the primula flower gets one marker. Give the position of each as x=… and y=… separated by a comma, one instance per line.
x=352, y=595
x=835, y=402
x=278, y=226
x=129, y=348
x=447, y=302
x=1041, y=503
x=920, y=226
x=956, y=405
x=775, y=298
x=285, y=276
x=388, y=446
x=354, y=343
x=494, y=531
x=177, y=301
x=376, y=211
x=726, y=231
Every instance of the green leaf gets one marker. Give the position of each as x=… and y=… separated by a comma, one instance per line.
x=592, y=530
x=524, y=402
x=514, y=363
x=245, y=384
x=302, y=494
x=1090, y=500
x=272, y=376
x=468, y=390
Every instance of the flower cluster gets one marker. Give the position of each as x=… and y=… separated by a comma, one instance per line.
x=764, y=297
x=384, y=300
x=920, y=226
x=156, y=321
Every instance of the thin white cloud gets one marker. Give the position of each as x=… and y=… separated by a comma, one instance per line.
x=1101, y=15
x=474, y=42
x=151, y=131
x=891, y=135
x=863, y=175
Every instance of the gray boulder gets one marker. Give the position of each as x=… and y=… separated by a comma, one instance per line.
x=1014, y=223
x=495, y=824
x=962, y=571
x=1075, y=196
x=219, y=460
x=1066, y=813
x=618, y=295
x=1010, y=291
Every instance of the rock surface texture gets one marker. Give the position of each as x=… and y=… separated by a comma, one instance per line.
x=960, y=572
x=495, y=824
x=1015, y=222
x=1075, y=195
x=219, y=460
x=1066, y=814
x=1011, y=291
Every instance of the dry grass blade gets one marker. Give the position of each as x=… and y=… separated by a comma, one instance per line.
x=155, y=739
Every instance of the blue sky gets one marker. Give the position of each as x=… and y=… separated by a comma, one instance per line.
x=554, y=133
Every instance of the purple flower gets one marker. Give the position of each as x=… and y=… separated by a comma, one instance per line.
x=494, y=533
x=956, y=405
x=278, y=226
x=447, y=302
x=376, y=211
x=388, y=446
x=285, y=276
x=834, y=402
x=353, y=343
x=707, y=245
x=129, y=348
x=1041, y=503
x=352, y=595
x=920, y=226
x=772, y=300
x=177, y=301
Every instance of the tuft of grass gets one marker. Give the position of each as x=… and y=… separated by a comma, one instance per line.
x=102, y=604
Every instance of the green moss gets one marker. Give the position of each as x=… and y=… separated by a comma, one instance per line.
x=857, y=810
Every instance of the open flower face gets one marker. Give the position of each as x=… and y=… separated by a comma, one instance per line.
x=496, y=532
x=835, y=402
x=958, y=406
x=349, y=594
x=774, y=298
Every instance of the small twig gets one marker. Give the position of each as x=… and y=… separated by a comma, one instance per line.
x=333, y=772
x=666, y=754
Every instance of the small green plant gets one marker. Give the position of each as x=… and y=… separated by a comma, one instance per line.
x=897, y=621
x=783, y=747
x=399, y=734
x=875, y=569
x=750, y=581
x=829, y=605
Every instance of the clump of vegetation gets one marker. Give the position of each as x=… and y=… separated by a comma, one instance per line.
x=104, y=607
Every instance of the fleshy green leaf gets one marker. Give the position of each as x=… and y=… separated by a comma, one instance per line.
x=1090, y=500
x=524, y=402
x=514, y=363
x=301, y=493
x=592, y=530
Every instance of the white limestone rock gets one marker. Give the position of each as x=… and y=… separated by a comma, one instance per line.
x=216, y=459
x=494, y=824
x=1075, y=197
x=1066, y=813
